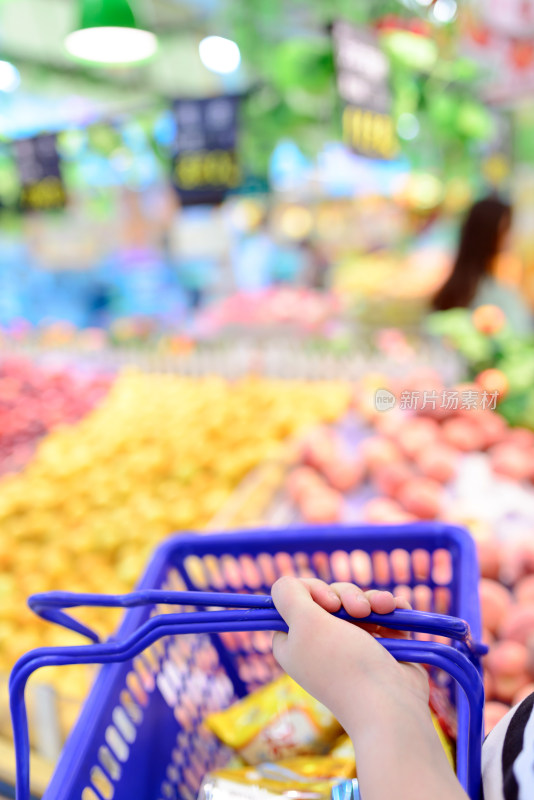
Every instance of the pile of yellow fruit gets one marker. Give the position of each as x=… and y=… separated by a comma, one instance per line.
x=161, y=454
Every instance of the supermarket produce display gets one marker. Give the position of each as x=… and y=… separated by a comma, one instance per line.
x=143, y=463
x=223, y=241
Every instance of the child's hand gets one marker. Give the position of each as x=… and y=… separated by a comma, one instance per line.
x=339, y=663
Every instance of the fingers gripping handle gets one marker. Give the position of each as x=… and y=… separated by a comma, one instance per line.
x=51, y=605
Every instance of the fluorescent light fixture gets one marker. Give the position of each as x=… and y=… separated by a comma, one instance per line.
x=9, y=77
x=111, y=45
x=219, y=54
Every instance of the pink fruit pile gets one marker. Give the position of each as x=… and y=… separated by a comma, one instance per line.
x=33, y=400
x=508, y=624
x=414, y=457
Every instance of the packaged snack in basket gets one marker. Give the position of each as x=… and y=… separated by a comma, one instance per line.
x=277, y=721
x=343, y=748
x=299, y=778
x=446, y=742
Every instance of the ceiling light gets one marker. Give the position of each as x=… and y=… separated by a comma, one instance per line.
x=219, y=54
x=444, y=11
x=108, y=34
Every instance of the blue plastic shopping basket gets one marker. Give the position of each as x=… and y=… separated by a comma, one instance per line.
x=140, y=732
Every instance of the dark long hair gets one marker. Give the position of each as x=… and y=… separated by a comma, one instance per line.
x=486, y=223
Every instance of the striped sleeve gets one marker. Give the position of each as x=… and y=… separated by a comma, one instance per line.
x=508, y=756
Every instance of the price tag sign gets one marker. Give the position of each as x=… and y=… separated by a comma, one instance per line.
x=42, y=187
x=363, y=84
x=205, y=166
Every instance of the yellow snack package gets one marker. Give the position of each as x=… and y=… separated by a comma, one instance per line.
x=299, y=778
x=343, y=748
x=446, y=742
x=278, y=721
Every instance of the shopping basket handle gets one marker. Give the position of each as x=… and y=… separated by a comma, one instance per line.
x=50, y=605
x=452, y=661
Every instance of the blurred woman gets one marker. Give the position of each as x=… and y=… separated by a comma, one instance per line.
x=472, y=282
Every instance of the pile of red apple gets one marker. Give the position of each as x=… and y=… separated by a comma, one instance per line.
x=34, y=399
x=409, y=459
x=507, y=603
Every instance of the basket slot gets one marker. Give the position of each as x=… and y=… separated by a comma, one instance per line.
x=400, y=566
x=441, y=567
x=101, y=783
x=123, y=724
x=285, y=564
x=303, y=565
x=253, y=580
x=145, y=675
x=195, y=569
x=422, y=598
x=340, y=565
x=173, y=776
x=232, y=572
x=381, y=569
x=403, y=590
x=267, y=567
x=152, y=658
x=131, y=707
x=420, y=567
x=174, y=582
x=116, y=743
x=361, y=566
x=321, y=564
x=89, y=794
x=134, y=685
x=442, y=599
x=170, y=695
x=109, y=763
x=215, y=580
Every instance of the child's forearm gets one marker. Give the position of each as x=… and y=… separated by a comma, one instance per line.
x=399, y=755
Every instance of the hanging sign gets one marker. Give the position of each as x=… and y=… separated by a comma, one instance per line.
x=42, y=187
x=204, y=164
x=363, y=84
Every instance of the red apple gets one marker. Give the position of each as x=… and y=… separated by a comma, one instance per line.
x=389, y=478
x=462, y=433
x=378, y=451
x=495, y=601
x=344, y=474
x=422, y=497
x=439, y=462
x=511, y=461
